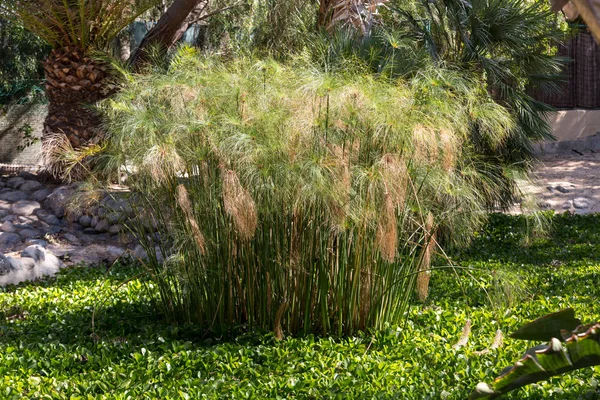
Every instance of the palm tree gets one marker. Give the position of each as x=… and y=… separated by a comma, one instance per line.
x=359, y=14
x=74, y=78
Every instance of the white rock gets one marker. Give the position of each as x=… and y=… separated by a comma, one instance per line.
x=581, y=203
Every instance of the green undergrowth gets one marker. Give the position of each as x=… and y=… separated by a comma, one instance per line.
x=49, y=348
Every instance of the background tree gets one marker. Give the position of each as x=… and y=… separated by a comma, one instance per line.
x=75, y=29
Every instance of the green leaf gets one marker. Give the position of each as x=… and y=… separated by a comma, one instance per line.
x=549, y=326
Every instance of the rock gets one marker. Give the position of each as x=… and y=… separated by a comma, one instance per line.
x=4, y=205
x=581, y=203
x=30, y=233
x=85, y=221
x=3, y=213
x=9, y=239
x=38, y=242
x=27, y=220
x=25, y=207
x=7, y=226
x=7, y=265
x=95, y=221
x=546, y=205
x=115, y=251
x=47, y=218
x=102, y=212
x=15, y=182
x=53, y=229
x=102, y=226
x=141, y=254
x=28, y=175
x=117, y=204
x=567, y=204
x=90, y=231
x=57, y=200
x=37, y=253
x=30, y=186
x=14, y=196
x=563, y=189
x=9, y=217
x=40, y=195
x=115, y=229
x=69, y=237
x=550, y=189
x=2, y=184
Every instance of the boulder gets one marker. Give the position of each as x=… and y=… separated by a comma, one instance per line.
x=56, y=201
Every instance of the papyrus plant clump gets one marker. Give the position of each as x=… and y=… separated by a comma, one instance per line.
x=293, y=199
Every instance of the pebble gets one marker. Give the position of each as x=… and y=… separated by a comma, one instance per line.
x=30, y=233
x=30, y=186
x=102, y=226
x=25, y=207
x=15, y=182
x=48, y=218
x=581, y=203
x=9, y=239
x=567, y=204
x=37, y=242
x=69, y=237
x=85, y=221
x=563, y=189
x=7, y=226
x=13, y=196
x=115, y=229
x=40, y=195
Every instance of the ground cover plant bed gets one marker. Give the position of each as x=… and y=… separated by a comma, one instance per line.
x=49, y=348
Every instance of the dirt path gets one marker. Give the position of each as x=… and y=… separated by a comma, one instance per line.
x=568, y=183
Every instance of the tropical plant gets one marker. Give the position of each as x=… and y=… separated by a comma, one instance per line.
x=358, y=14
x=293, y=196
x=74, y=77
x=507, y=45
x=571, y=346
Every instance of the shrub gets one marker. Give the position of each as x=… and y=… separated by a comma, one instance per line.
x=293, y=198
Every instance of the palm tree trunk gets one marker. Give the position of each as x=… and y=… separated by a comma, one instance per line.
x=169, y=28
x=74, y=81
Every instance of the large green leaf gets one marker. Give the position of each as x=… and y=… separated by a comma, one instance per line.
x=549, y=326
x=581, y=349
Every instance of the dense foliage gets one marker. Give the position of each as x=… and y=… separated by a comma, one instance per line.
x=21, y=54
x=48, y=347
x=508, y=45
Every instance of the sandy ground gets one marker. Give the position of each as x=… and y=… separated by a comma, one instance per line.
x=568, y=183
